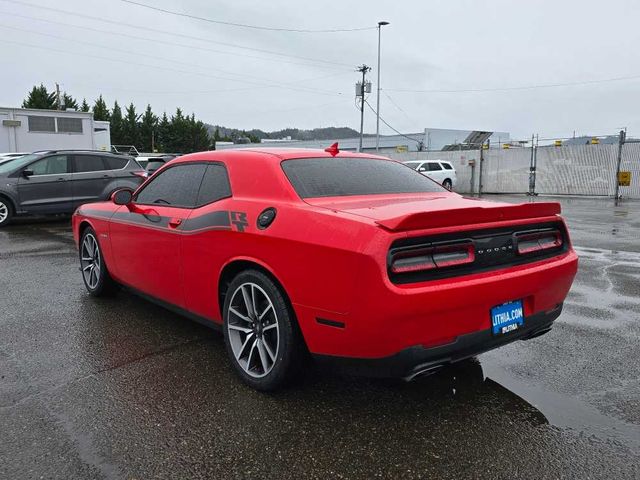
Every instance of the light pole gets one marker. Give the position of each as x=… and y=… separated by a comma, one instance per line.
x=380, y=25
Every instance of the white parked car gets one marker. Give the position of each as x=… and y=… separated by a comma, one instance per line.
x=439, y=170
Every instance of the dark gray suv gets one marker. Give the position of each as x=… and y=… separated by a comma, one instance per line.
x=59, y=181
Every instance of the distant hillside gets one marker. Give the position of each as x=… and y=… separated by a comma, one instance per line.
x=328, y=133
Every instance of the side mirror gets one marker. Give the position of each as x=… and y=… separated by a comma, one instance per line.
x=122, y=196
x=26, y=173
x=422, y=169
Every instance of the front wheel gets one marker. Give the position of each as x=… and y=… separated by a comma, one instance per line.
x=96, y=278
x=6, y=212
x=261, y=335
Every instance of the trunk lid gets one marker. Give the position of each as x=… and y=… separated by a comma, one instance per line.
x=413, y=212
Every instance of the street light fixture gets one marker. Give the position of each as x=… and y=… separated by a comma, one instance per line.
x=380, y=25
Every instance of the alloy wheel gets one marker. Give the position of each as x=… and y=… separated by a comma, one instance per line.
x=4, y=211
x=252, y=324
x=90, y=261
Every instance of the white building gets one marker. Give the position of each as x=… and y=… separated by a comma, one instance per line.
x=30, y=130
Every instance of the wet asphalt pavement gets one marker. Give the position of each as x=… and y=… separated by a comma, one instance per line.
x=120, y=388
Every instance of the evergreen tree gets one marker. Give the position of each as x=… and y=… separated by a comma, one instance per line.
x=117, y=127
x=100, y=110
x=85, y=106
x=130, y=128
x=148, y=130
x=39, y=97
x=164, y=135
x=68, y=102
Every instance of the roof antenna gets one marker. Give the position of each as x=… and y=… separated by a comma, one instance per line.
x=333, y=149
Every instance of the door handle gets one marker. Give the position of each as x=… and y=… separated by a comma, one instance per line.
x=175, y=222
x=105, y=176
x=62, y=179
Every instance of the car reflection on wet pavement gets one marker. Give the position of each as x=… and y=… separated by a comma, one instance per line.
x=121, y=388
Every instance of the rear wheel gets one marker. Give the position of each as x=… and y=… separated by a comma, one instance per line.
x=6, y=212
x=260, y=332
x=447, y=184
x=94, y=271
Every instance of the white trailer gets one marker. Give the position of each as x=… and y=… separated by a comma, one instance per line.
x=30, y=130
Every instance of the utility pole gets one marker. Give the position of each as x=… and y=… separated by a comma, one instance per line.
x=380, y=25
x=57, y=96
x=621, y=139
x=363, y=69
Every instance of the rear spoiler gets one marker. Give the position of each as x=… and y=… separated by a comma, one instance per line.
x=470, y=215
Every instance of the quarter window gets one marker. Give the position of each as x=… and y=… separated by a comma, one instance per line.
x=215, y=185
x=116, y=163
x=88, y=163
x=177, y=186
x=55, y=165
x=447, y=166
x=434, y=166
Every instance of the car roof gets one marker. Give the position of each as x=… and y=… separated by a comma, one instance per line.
x=272, y=154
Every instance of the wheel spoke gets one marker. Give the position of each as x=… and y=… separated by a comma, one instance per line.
x=247, y=300
x=87, y=267
x=263, y=356
x=244, y=345
x=240, y=329
x=264, y=312
x=87, y=259
x=269, y=327
x=268, y=349
x=253, y=349
x=239, y=315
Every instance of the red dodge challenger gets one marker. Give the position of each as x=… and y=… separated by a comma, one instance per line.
x=356, y=259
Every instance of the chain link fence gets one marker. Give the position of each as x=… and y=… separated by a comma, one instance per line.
x=559, y=170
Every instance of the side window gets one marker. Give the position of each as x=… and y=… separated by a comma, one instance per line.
x=177, y=186
x=434, y=166
x=215, y=185
x=88, y=163
x=55, y=165
x=115, y=163
x=447, y=166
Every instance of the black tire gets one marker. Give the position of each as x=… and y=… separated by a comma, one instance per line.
x=283, y=365
x=6, y=212
x=447, y=184
x=96, y=279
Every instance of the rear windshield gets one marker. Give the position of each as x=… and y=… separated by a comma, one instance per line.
x=336, y=177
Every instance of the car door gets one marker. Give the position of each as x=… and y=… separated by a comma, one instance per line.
x=90, y=178
x=47, y=186
x=145, y=235
x=434, y=171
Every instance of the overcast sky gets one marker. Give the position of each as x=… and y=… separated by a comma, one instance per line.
x=437, y=46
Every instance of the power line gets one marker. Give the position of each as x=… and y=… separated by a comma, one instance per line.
x=163, y=32
x=164, y=59
x=399, y=133
x=165, y=42
x=525, y=87
x=155, y=66
x=398, y=106
x=244, y=25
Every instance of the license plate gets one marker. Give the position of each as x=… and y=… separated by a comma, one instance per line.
x=507, y=317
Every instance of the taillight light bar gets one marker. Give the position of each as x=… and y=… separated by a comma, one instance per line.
x=537, y=241
x=433, y=257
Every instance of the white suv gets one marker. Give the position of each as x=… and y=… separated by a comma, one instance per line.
x=438, y=170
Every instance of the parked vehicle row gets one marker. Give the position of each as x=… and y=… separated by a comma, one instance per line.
x=58, y=181
x=361, y=262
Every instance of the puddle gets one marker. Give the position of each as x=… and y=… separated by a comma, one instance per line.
x=566, y=412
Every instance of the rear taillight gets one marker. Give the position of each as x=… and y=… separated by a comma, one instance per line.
x=529, y=242
x=432, y=257
x=141, y=174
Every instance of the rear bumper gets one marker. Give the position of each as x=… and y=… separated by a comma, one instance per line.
x=419, y=359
